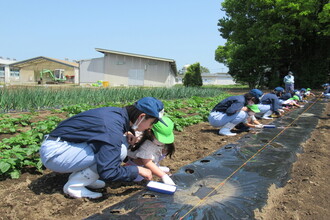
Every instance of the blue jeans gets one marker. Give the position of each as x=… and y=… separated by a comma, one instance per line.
x=289, y=87
x=219, y=119
x=66, y=157
x=263, y=109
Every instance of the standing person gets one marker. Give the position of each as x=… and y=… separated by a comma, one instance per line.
x=289, y=82
x=93, y=144
x=230, y=112
x=154, y=146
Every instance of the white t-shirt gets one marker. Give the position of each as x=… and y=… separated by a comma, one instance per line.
x=250, y=119
x=148, y=150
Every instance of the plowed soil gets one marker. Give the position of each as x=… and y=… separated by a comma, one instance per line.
x=305, y=196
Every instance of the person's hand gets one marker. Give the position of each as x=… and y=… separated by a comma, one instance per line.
x=245, y=109
x=259, y=126
x=146, y=173
x=167, y=180
x=131, y=139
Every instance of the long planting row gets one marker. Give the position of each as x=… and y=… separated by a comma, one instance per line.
x=20, y=151
x=21, y=135
x=41, y=98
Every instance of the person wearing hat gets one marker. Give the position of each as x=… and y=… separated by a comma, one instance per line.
x=93, y=144
x=230, y=112
x=251, y=120
x=257, y=93
x=326, y=92
x=270, y=104
x=292, y=102
x=153, y=147
x=309, y=92
x=289, y=82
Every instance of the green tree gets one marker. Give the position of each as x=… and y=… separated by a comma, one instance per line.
x=204, y=70
x=193, y=76
x=266, y=38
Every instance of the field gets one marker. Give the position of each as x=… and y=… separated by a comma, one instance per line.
x=37, y=194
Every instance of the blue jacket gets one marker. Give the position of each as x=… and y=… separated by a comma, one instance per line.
x=272, y=100
x=102, y=129
x=327, y=90
x=286, y=96
x=230, y=105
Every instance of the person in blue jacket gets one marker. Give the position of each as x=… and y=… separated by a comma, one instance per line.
x=230, y=112
x=93, y=144
x=269, y=103
x=326, y=92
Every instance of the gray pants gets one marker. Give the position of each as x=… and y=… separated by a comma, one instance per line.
x=289, y=87
x=66, y=157
x=219, y=119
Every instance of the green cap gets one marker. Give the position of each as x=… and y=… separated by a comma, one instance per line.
x=308, y=89
x=163, y=133
x=253, y=108
x=294, y=98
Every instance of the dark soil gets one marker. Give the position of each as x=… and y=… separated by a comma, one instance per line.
x=306, y=196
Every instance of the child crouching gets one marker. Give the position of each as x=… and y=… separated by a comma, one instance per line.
x=153, y=147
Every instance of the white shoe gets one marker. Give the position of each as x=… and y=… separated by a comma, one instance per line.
x=225, y=130
x=98, y=184
x=75, y=187
x=80, y=192
x=267, y=114
x=226, y=133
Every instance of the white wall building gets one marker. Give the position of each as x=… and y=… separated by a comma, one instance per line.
x=212, y=79
x=217, y=79
x=128, y=69
x=6, y=72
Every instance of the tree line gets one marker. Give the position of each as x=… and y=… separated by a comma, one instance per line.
x=268, y=38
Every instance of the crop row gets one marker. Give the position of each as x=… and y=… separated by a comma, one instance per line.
x=41, y=98
x=21, y=150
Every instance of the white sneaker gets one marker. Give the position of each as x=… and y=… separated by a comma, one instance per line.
x=98, y=184
x=80, y=192
x=226, y=132
x=75, y=187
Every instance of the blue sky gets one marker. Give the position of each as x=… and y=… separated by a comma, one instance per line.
x=183, y=30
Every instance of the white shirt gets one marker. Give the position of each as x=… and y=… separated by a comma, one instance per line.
x=288, y=79
x=148, y=150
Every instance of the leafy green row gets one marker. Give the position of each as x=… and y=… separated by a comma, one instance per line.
x=22, y=150
x=39, y=98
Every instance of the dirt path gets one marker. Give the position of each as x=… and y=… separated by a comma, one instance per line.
x=306, y=196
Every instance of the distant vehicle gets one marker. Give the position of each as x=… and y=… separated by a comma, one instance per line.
x=57, y=76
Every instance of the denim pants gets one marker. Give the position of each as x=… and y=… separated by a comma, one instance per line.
x=289, y=87
x=219, y=119
x=66, y=157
